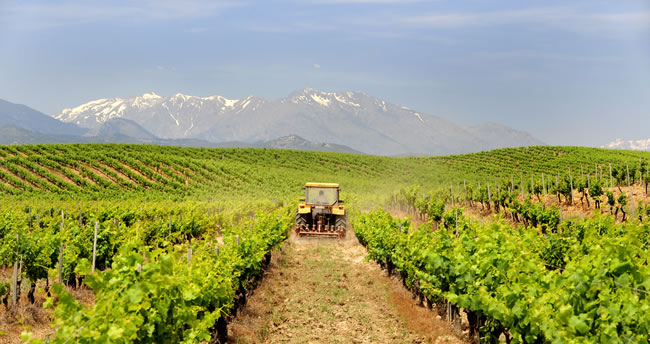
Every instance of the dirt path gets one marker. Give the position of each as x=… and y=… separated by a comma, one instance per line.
x=322, y=291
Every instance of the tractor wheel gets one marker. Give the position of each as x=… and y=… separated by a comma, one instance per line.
x=341, y=222
x=301, y=221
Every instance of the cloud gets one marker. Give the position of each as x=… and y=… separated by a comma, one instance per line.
x=560, y=18
x=540, y=55
x=345, y=2
x=316, y=65
x=72, y=12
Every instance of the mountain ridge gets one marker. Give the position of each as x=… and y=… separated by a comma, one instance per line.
x=348, y=118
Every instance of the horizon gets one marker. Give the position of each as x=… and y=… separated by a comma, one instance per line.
x=568, y=73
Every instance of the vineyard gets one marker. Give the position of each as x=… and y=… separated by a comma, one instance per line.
x=584, y=282
x=107, y=171
x=539, y=244
x=161, y=272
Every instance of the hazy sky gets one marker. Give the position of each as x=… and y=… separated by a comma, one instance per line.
x=568, y=72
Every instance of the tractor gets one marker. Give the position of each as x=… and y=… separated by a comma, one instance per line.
x=321, y=212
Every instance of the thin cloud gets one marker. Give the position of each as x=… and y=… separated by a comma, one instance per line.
x=560, y=18
x=539, y=55
x=50, y=14
x=345, y=2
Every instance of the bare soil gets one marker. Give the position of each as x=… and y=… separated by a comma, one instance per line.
x=575, y=210
x=102, y=174
x=33, y=318
x=323, y=291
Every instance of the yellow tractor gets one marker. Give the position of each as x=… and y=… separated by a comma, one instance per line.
x=321, y=212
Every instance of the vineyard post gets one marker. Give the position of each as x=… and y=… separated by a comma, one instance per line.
x=237, y=239
x=189, y=255
x=95, y=246
x=629, y=187
x=62, y=219
x=522, y=184
x=170, y=225
x=489, y=196
x=543, y=184
x=512, y=183
x=571, y=180
x=465, y=187
x=560, y=213
x=499, y=192
x=30, y=218
x=14, y=282
x=144, y=256
x=61, y=263
x=457, y=236
x=216, y=250
x=596, y=169
x=600, y=168
x=532, y=184
x=582, y=175
x=611, y=182
x=451, y=189
x=588, y=181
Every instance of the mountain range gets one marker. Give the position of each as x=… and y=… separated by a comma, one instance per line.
x=348, y=118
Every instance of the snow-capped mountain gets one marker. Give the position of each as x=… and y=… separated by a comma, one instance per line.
x=178, y=116
x=350, y=118
x=642, y=145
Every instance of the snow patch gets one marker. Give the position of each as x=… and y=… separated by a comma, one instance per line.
x=151, y=95
x=418, y=116
x=171, y=115
x=345, y=101
x=227, y=102
x=320, y=100
x=190, y=128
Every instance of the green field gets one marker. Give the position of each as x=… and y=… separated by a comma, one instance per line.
x=167, y=216
x=109, y=171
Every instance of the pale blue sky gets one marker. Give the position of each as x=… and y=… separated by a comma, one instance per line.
x=568, y=72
